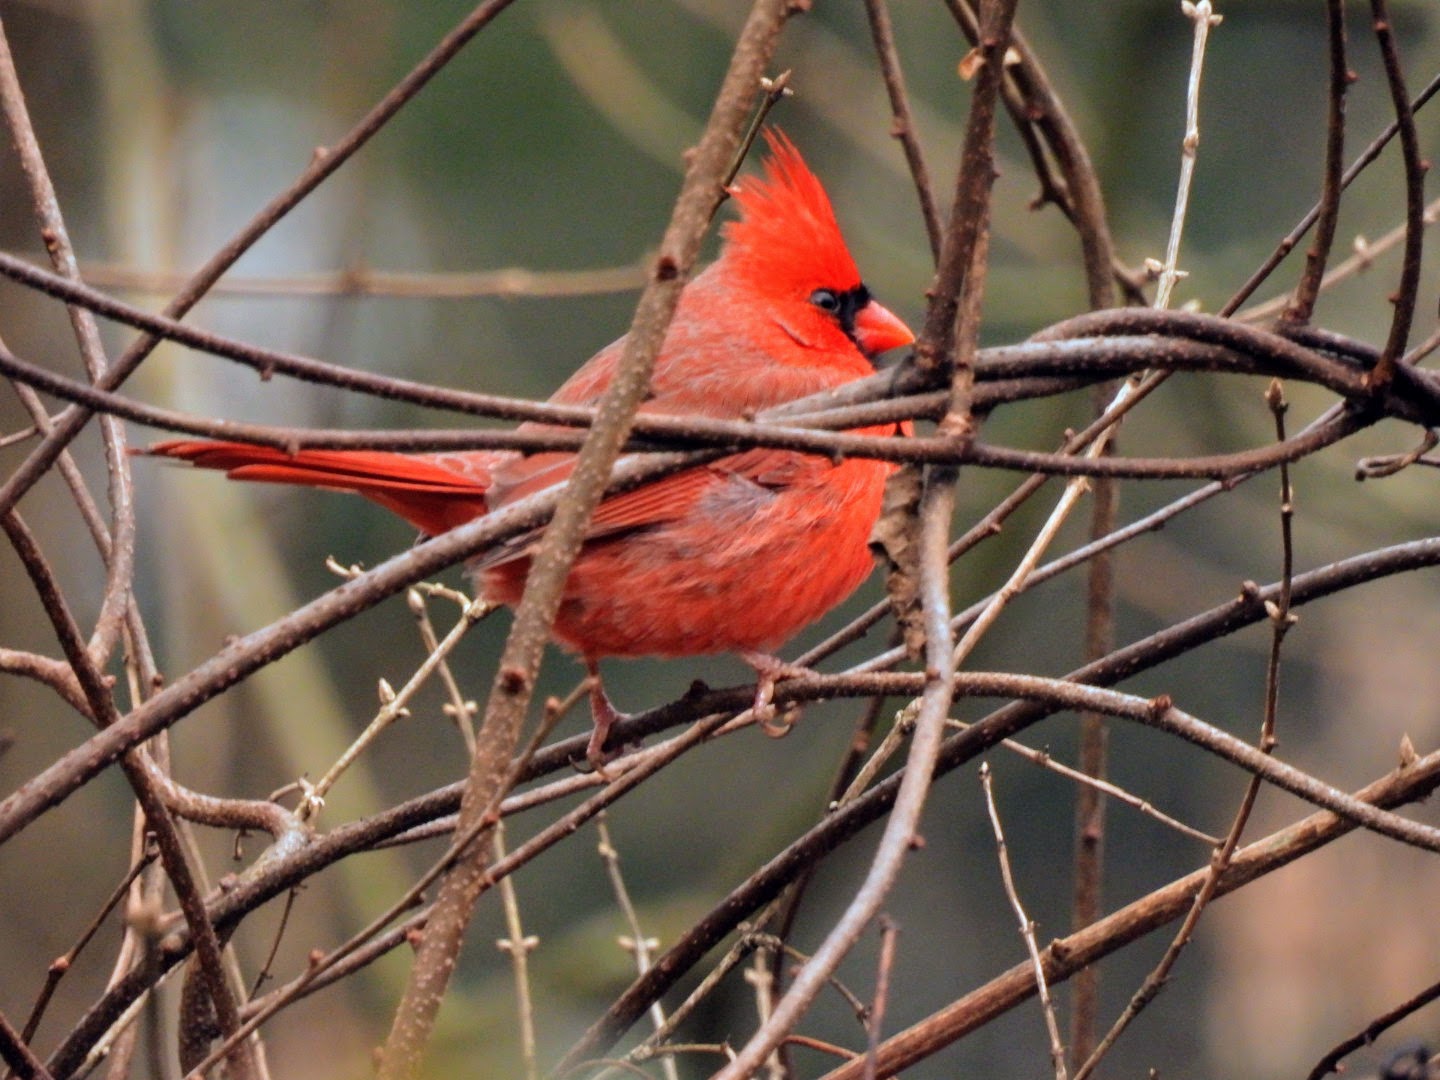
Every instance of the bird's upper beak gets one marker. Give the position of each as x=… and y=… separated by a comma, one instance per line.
x=878, y=329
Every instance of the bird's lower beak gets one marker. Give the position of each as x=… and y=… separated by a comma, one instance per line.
x=878, y=329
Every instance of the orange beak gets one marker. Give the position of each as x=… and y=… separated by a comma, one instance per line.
x=878, y=329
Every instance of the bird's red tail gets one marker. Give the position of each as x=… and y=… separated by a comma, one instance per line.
x=423, y=491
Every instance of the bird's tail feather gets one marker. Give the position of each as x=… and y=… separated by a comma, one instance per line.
x=419, y=489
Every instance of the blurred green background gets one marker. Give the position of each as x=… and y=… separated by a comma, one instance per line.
x=553, y=143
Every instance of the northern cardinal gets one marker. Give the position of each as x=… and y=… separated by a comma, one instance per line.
x=734, y=556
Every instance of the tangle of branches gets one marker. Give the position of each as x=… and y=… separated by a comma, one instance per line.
x=96, y=655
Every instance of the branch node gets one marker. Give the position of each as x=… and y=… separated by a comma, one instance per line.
x=514, y=680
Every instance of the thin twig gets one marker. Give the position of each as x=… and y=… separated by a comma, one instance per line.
x=1169, y=272
x=1044, y=759
x=518, y=947
x=902, y=126
x=1027, y=927
x=1330, y=1063
x=363, y=281
x=900, y=730
x=1089, y=857
x=748, y=942
x=1302, y=305
x=772, y=92
x=1407, y=292
x=1044, y=123
x=787, y=908
x=1383, y=465
x=263, y=975
x=885, y=967
x=459, y=708
x=1089, y=810
x=636, y=943
x=118, y=551
x=393, y=706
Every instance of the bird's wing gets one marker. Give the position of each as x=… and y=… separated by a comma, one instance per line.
x=666, y=500
x=673, y=497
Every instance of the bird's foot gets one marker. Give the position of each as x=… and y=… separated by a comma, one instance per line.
x=769, y=671
x=604, y=715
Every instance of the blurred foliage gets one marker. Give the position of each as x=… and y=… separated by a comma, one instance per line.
x=554, y=142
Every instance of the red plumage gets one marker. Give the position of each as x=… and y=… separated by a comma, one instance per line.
x=734, y=556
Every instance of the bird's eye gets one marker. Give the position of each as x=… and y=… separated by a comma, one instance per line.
x=825, y=300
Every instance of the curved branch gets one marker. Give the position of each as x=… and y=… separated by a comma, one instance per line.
x=1408, y=290
x=1302, y=304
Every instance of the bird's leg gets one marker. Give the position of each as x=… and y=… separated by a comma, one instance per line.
x=769, y=670
x=604, y=716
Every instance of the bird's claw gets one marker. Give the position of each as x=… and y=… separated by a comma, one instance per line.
x=596, y=755
x=769, y=670
x=778, y=724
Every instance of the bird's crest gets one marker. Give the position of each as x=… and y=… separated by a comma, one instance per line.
x=787, y=238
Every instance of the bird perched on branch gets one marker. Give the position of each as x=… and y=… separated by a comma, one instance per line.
x=735, y=556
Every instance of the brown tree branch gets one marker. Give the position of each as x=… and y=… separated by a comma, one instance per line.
x=118, y=552
x=1302, y=304
x=18, y=1055
x=1407, y=292
x=903, y=125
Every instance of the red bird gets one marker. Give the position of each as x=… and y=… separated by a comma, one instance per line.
x=734, y=556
